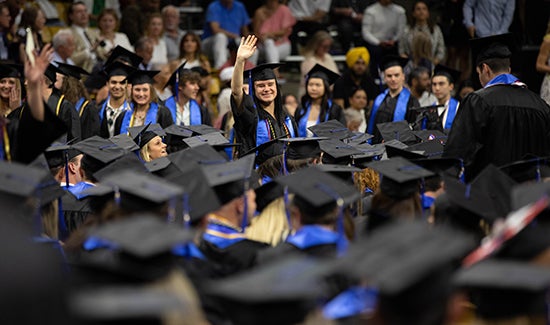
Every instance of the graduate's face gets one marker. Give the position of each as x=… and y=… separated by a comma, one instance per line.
x=441, y=87
x=117, y=86
x=265, y=90
x=394, y=77
x=141, y=94
x=157, y=148
x=315, y=88
x=6, y=86
x=190, y=89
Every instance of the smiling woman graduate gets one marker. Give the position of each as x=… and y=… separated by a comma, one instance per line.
x=259, y=117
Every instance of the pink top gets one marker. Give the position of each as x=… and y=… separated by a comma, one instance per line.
x=282, y=18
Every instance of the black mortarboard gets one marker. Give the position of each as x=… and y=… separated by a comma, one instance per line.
x=429, y=135
x=337, y=152
x=71, y=70
x=318, y=188
x=358, y=138
x=429, y=149
x=391, y=60
x=8, y=70
x=368, y=154
x=212, y=139
x=145, y=133
x=266, y=150
x=263, y=71
x=487, y=196
x=449, y=166
x=124, y=141
x=319, y=71
x=230, y=179
x=100, y=149
x=51, y=72
x=506, y=289
x=267, y=193
x=175, y=76
x=139, y=77
x=142, y=236
x=492, y=47
x=156, y=166
x=176, y=133
x=400, y=176
x=302, y=148
x=534, y=169
x=118, y=69
x=399, y=130
x=452, y=75
x=527, y=193
x=204, y=155
x=341, y=171
x=201, y=129
x=95, y=81
x=396, y=148
x=55, y=154
x=129, y=161
x=331, y=129
x=294, y=284
x=120, y=54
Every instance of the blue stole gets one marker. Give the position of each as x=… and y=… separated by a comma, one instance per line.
x=451, y=113
x=188, y=250
x=195, y=117
x=229, y=150
x=150, y=117
x=93, y=243
x=427, y=202
x=505, y=79
x=78, y=188
x=314, y=235
x=222, y=236
x=104, y=107
x=263, y=134
x=3, y=139
x=400, y=108
x=302, y=123
x=79, y=103
x=354, y=301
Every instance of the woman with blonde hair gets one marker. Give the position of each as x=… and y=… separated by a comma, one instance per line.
x=317, y=52
x=144, y=106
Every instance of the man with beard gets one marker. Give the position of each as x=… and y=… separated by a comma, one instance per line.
x=356, y=76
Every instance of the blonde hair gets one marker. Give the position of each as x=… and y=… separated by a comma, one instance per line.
x=315, y=41
x=271, y=226
x=49, y=214
x=145, y=154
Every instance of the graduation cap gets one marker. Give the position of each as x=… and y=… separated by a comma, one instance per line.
x=452, y=75
x=399, y=130
x=533, y=169
x=263, y=71
x=506, y=289
x=267, y=150
x=230, y=179
x=429, y=149
x=71, y=70
x=527, y=193
x=57, y=152
x=331, y=129
x=358, y=138
x=129, y=161
x=400, y=176
x=95, y=81
x=9, y=70
x=176, y=133
x=341, y=171
x=267, y=193
x=175, y=77
x=145, y=133
x=368, y=154
x=429, y=135
x=487, y=196
x=124, y=141
x=204, y=154
x=319, y=71
x=51, y=72
x=399, y=149
x=100, y=149
x=441, y=166
x=201, y=71
x=302, y=147
x=391, y=60
x=118, y=68
x=294, y=284
x=337, y=152
x=492, y=47
x=201, y=129
x=216, y=140
x=142, y=236
x=122, y=55
x=139, y=77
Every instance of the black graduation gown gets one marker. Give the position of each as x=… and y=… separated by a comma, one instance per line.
x=29, y=137
x=499, y=125
x=89, y=120
x=164, y=118
x=284, y=249
x=67, y=113
x=385, y=114
x=75, y=211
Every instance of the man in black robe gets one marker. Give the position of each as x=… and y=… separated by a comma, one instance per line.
x=503, y=121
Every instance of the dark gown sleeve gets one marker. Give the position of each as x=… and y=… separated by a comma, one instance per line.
x=89, y=121
x=337, y=113
x=103, y=128
x=235, y=258
x=245, y=124
x=118, y=122
x=33, y=137
x=75, y=212
x=164, y=117
x=71, y=118
x=206, y=119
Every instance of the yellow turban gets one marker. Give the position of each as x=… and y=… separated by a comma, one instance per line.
x=355, y=53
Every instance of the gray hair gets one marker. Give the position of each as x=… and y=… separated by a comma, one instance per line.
x=61, y=38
